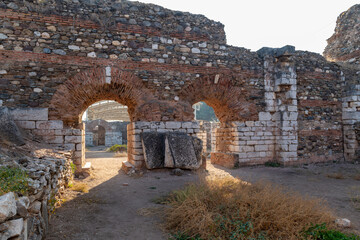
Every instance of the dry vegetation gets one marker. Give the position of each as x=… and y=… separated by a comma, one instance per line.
x=336, y=175
x=80, y=187
x=231, y=209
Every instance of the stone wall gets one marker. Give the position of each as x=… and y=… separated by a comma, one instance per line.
x=114, y=132
x=134, y=129
x=27, y=217
x=205, y=135
x=64, y=57
x=35, y=121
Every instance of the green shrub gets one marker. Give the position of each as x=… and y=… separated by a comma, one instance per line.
x=13, y=180
x=321, y=232
x=117, y=148
x=73, y=168
x=272, y=164
x=183, y=236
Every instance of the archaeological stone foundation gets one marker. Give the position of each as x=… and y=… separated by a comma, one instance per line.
x=59, y=57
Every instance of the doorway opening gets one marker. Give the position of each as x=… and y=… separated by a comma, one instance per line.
x=105, y=125
x=205, y=115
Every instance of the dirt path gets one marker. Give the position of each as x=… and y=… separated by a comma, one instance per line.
x=121, y=207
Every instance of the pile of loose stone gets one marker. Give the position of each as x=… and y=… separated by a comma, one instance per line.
x=26, y=217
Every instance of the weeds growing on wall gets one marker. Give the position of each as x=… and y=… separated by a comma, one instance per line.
x=73, y=168
x=13, y=180
x=228, y=208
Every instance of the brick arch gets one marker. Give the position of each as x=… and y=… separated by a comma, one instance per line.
x=74, y=96
x=228, y=100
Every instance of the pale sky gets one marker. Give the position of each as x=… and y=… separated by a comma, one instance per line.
x=305, y=24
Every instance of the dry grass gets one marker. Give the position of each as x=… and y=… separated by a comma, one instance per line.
x=80, y=187
x=231, y=209
x=355, y=197
x=336, y=175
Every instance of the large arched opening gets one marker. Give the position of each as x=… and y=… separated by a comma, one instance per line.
x=95, y=90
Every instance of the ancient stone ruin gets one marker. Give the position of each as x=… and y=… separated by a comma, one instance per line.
x=59, y=57
x=281, y=105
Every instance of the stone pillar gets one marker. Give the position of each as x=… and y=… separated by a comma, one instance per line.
x=286, y=115
x=351, y=119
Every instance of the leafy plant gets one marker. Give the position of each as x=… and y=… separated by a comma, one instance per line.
x=117, y=148
x=183, y=236
x=272, y=164
x=321, y=232
x=13, y=180
x=73, y=168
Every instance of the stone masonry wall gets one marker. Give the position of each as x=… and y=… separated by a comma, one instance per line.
x=63, y=57
x=36, y=122
x=27, y=217
x=134, y=129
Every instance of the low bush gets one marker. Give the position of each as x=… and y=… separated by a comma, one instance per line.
x=272, y=164
x=13, y=180
x=117, y=148
x=229, y=208
x=321, y=232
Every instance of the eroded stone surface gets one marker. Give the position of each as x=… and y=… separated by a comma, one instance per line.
x=7, y=206
x=9, y=131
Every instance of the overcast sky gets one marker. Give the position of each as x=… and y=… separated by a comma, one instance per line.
x=253, y=24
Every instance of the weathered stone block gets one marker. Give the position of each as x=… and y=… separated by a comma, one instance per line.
x=72, y=139
x=153, y=144
x=172, y=125
x=9, y=131
x=30, y=114
x=52, y=124
x=26, y=124
x=182, y=151
x=7, y=206
x=53, y=139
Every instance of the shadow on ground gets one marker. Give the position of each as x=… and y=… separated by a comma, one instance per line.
x=121, y=207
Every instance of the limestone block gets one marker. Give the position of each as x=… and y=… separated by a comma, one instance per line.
x=22, y=204
x=79, y=147
x=187, y=124
x=172, y=125
x=290, y=116
x=61, y=132
x=30, y=114
x=44, y=132
x=261, y=148
x=13, y=228
x=264, y=116
x=76, y=132
x=157, y=125
x=7, y=206
x=141, y=125
x=26, y=124
x=70, y=146
x=72, y=139
x=53, y=139
x=52, y=124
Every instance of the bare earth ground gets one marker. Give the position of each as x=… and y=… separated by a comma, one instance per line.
x=121, y=207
